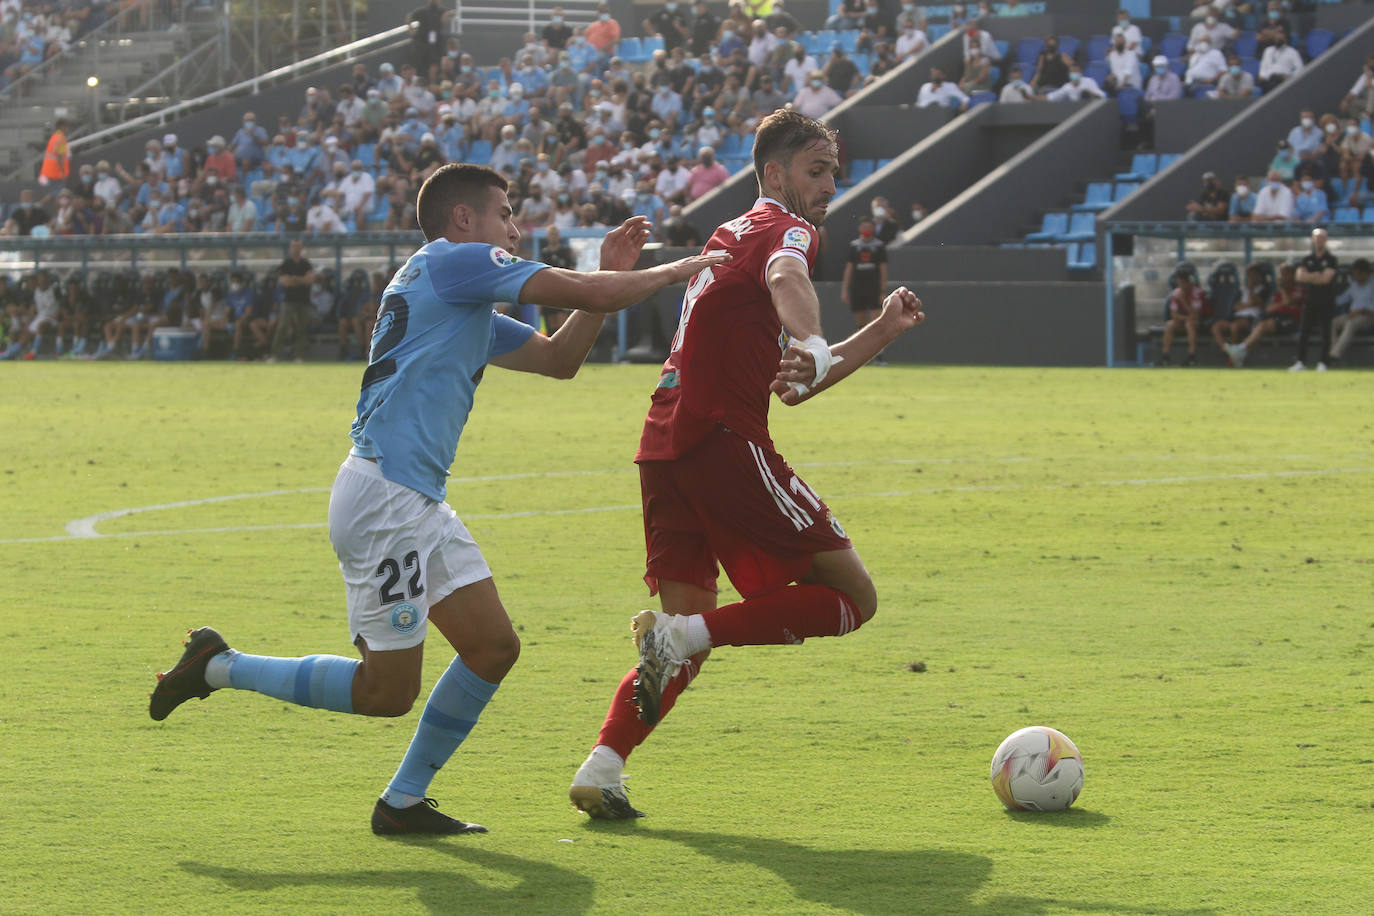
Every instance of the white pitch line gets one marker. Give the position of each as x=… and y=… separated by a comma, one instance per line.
x=541, y=513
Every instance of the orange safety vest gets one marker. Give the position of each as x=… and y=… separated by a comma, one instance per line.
x=56, y=162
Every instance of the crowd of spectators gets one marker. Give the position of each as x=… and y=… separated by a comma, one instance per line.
x=33, y=32
x=586, y=138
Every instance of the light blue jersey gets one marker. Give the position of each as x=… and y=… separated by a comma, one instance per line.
x=435, y=332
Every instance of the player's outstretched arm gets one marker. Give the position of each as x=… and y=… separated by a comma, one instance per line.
x=605, y=291
x=901, y=312
x=562, y=354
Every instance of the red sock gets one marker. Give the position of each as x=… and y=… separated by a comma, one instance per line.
x=784, y=617
x=623, y=730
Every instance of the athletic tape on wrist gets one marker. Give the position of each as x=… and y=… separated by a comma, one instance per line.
x=820, y=351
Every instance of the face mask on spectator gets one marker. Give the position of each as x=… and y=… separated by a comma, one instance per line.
x=1275, y=185
x=917, y=215
x=880, y=212
x=1203, y=47
x=654, y=133
x=1308, y=184
x=1273, y=15
x=866, y=232
x=1351, y=130
x=292, y=201
x=302, y=144
x=211, y=180
x=1160, y=68
x=816, y=84
x=557, y=20
x=1242, y=190
x=1307, y=123
x=1075, y=77
x=1235, y=69
x=604, y=16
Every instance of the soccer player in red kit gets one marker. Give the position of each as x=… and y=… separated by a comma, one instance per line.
x=713, y=487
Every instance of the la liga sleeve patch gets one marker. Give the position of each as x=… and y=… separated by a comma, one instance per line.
x=798, y=238
x=502, y=258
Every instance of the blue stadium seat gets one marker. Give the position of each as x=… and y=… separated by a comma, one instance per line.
x=1069, y=45
x=1173, y=45
x=729, y=145
x=1128, y=103
x=1123, y=190
x=1145, y=45
x=1368, y=215
x=366, y=153
x=1246, y=44
x=995, y=75
x=1098, y=46
x=1346, y=215
x=1318, y=41
x=1338, y=186
x=1002, y=48
x=480, y=152
x=1082, y=256
x=1099, y=197
x=1027, y=50
x=862, y=60
x=651, y=45
x=1166, y=160
x=859, y=169
x=938, y=30
x=1179, y=65
x=1082, y=228
x=632, y=51
x=1251, y=66
x=1096, y=70
x=881, y=164
x=1052, y=226
x=1143, y=166
x=849, y=40
x=981, y=97
x=1139, y=9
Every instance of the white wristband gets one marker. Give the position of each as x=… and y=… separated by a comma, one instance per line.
x=820, y=351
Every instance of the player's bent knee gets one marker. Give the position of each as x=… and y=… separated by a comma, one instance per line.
x=385, y=703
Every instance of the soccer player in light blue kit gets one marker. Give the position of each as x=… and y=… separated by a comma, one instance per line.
x=406, y=558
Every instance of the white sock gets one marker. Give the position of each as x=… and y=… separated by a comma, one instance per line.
x=400, y=799
x=217, y=668
x=610, y=758
x=698, y=637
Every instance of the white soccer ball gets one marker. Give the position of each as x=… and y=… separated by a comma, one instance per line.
x=1037, y=769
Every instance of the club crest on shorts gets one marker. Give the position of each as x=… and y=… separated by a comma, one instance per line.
x=405, y=617
x=797, y=238
x=502, y=258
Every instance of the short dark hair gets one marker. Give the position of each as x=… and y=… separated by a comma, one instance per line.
x=782, y=134
x=450, y=185
x=1361, y=264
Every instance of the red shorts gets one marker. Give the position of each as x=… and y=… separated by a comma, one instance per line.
x=738, y=503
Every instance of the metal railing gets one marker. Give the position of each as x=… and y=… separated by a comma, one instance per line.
x=210, y=252
x=1204, y=245
x=382, y=40
x=110, y=30
x=528, y=15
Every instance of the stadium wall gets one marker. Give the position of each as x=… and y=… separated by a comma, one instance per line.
x=1245, y=143
x=1038, y=178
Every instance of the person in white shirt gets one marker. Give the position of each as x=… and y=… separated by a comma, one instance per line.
x=1274, y=202
x=671, y=184
x=243, y=213
x=106, y=185
x=762, y=45
x=1128, y=30
x=1123, y=65
x=1360, y=297
x=796, y=70
x=981, y=39
x=356, y=192
x=813, y=101
x=939, y=91
x=1205, y=66
x=1077, y=88
x=911, y=40
x=1016, y=89
x=1359, y=101
x=1212, y=30
x=323, y=217
x=1279, y=62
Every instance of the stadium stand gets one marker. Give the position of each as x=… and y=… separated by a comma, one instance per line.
x=606, y=134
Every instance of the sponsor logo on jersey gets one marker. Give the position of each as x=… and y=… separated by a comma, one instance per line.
x=502, y=258
x=405, y=617
x=797, y=238
x=835, y=525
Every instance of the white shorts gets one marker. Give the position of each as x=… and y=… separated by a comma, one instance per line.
x=399, y=552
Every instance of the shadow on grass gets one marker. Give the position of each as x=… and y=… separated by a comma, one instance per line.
x=1068, y=818
x=882, y=881
x=541, y=888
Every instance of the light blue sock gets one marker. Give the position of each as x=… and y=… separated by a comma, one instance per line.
x=450, y=713
x=318, y=681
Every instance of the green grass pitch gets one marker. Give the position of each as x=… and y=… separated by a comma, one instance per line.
x=1174, y=568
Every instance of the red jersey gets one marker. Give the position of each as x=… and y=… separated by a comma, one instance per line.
x=729, y=340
